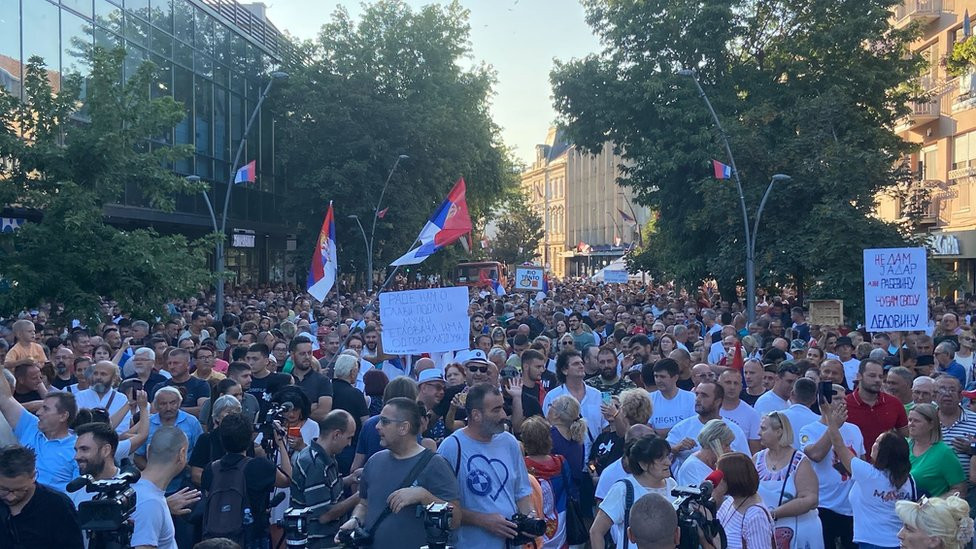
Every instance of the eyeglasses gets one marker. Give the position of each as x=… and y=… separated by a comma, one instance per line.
x=565, y=342
x=482, y=369
x=386, y=421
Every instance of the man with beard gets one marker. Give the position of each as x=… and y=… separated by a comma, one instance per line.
x=34, y=515
x=683, y=437
x=373, y=353
x=609, y=380
x=101, y=393
x=64, y=368
x=640, y=353
x=873, y=411
x=527, y=389
x=329, y=349
x=316, y=387
x=490, y=460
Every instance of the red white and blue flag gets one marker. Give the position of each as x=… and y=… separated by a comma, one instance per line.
x=721, y=170
x=245, y=174
x=322, y=273
x=449, y=223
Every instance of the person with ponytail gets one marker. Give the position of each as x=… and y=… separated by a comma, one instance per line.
x=569, y=430
x=935, y=523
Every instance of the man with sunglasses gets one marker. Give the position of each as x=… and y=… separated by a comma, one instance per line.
x=477, y=369
x=28, y=509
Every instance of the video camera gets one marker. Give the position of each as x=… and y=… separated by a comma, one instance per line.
x=106, y=516
x=267, y=427
x=437, y=524
x=295, y=523
x=696, y=512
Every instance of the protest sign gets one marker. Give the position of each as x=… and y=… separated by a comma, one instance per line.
x=529, y=279
x=425, y=321
x=826, y=312
x=615, y=276
x=895, y=290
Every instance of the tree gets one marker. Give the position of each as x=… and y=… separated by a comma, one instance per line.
x=809, y=88
x=364, y=93
x=520, y=230
x=67, y=160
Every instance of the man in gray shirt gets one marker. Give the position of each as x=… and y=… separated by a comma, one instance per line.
x=385, y=473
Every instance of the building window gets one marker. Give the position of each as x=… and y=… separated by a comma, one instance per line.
x=963, y=150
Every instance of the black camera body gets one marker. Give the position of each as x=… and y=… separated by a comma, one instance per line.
x=528, y=529
x=295, y=523
x=357, y=537
x=437, y=524
x=696, y=511
x=106, y=516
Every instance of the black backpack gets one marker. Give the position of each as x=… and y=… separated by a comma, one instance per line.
x=226, y=503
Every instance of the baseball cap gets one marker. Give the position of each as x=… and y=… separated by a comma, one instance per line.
x=474, y=355
x=432, y=374
x=798, y=345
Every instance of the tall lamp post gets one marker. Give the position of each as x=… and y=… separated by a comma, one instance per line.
x=368, y=243
x=219, y=252
x=372, y=232
x=749, y=234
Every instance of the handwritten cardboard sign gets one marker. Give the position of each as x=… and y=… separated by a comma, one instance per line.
x=895, y=290
x=425, y=321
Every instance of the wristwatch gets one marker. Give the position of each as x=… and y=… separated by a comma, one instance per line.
x=358, y=521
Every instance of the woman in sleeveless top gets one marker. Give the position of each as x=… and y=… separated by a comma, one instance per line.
x=788, y=486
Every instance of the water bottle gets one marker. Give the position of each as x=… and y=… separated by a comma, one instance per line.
x=248, y=518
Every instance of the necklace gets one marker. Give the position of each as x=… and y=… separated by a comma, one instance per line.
x=772, y=462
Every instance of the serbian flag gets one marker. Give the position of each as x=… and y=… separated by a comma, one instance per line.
x=449, y=223
x=382, y=213
x=625, y=217
x=721, y=170
x=322, y=273
x=245, y=174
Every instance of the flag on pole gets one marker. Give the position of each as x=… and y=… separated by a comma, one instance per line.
x=382, y=213
x=322, y=273
x=449, y=223
x=245, y=174
x=625, y=217
x=721, y=170
x=967, y=26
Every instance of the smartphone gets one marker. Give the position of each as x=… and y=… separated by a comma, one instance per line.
x=827, y=391
x=607, y=398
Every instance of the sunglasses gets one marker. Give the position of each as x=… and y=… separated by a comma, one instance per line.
x=482, y=369
x=565, y=342
x=386, y=421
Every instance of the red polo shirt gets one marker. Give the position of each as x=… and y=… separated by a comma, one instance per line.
x=886, y=414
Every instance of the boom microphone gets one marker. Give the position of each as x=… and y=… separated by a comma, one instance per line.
x=714, y=478
x=79, y=483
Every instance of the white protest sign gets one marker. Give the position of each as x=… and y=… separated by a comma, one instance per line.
x=529, y=278
x=895, y=290
x=615, y=276
x=425, y=321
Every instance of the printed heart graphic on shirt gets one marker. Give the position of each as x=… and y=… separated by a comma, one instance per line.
x=483, y=473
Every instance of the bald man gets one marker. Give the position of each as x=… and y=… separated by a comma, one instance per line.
x=660, y=533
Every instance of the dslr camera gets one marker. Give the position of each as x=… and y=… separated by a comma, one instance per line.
x=528, y=529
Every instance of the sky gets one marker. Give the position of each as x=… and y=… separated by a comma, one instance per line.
x=518, y=38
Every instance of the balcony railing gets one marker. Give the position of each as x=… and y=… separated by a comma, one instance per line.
x=922, y=112
x=925, y=11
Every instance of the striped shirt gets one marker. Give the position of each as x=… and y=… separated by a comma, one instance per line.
x=316, y=484
x=752, y=524
x=964, y=427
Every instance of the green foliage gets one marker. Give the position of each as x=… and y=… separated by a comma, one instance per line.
x=962, y=59
x=68, y=160
x=809, y=88
x=520, y=230
x=364, y=93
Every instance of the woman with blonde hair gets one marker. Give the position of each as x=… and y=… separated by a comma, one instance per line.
x=715, y=440
x=632, y=407
x=935, y=523
x=568, y=431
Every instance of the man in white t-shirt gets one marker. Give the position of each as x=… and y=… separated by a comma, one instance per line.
x=845, y=354
x=152, y=523
x=669, y=403
x=737, y=411
x=683, y=437
x=101, y=394
x=778, y=398
x=836, y=513
x=802, y=397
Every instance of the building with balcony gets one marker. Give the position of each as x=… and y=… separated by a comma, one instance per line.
x=944, y=127
x=589, y=219
x=213, y=56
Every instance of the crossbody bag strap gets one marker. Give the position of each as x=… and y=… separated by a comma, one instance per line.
x=108, y=407
x=628, y=503
x=407, y=481
x=789, y=467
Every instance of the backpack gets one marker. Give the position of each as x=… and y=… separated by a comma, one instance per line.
x=225, y=510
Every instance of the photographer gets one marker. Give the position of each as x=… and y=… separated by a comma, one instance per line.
x=316, y=482
x=166, y=459
x=396, y=480
x=28, y=508
x=490, y=461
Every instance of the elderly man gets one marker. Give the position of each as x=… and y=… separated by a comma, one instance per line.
x=898, y=383
x=168, y=414
x=702, y=373
x=958, y=424
x=945, y=364
x=923, y=391
x=143, y=364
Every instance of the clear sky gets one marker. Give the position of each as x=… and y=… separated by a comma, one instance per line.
x=519, y=38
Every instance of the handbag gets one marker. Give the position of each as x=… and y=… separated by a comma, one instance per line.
x=576, y=531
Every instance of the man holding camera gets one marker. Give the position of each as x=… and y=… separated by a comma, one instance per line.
x=493, y=481
x=29, y=509
x=397, y=480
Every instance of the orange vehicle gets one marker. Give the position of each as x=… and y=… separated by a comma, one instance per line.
x=479, y=273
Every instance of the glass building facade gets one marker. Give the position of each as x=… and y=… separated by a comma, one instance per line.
x=214, y=57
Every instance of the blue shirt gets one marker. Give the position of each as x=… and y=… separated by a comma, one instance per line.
x=956, y=370
x=56, y=464
x=184, y=422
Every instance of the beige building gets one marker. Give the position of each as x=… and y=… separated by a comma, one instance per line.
x=944, y=168
x=589, y=220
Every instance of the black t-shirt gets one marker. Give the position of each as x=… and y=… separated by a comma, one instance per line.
x=208, y=449
x=686, y=384
x=193, y=389
x=152, y=381
x=445, y=404
x=549, y=380
x=314, y=385
x=27, y=397
x=259, y=479
x=59, y=383
x=747, y=398
x=348, y=398
x=606, y=449
x=530, y=402
x=32, y=526
x=263, y=388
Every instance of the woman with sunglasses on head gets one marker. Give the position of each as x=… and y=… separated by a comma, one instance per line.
x=935, y=523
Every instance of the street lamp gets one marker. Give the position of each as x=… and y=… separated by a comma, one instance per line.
x=219, y=259
x=372, y=231
x=750, y=235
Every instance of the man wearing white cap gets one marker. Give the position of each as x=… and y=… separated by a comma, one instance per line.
x=431, y=386
x=477, y=369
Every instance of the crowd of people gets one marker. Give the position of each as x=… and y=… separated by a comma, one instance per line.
x=568, y=421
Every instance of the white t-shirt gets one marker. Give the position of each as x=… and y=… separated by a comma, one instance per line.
x=835, y=488
x=745, y=417
x=613, y=473
x=690, y=427
x=692, y=471
x=850, y=371
x=153, y=525
x=770, y=402
x=716, y=353
x=616, y=501
x=667, y=413
x=589, y=409
x=88, y=398
x=800, y=416
x=873, y=501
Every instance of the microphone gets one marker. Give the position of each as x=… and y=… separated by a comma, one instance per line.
x=714, y=478
x=130, y=474
x=277, y=499
x=78, y=483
